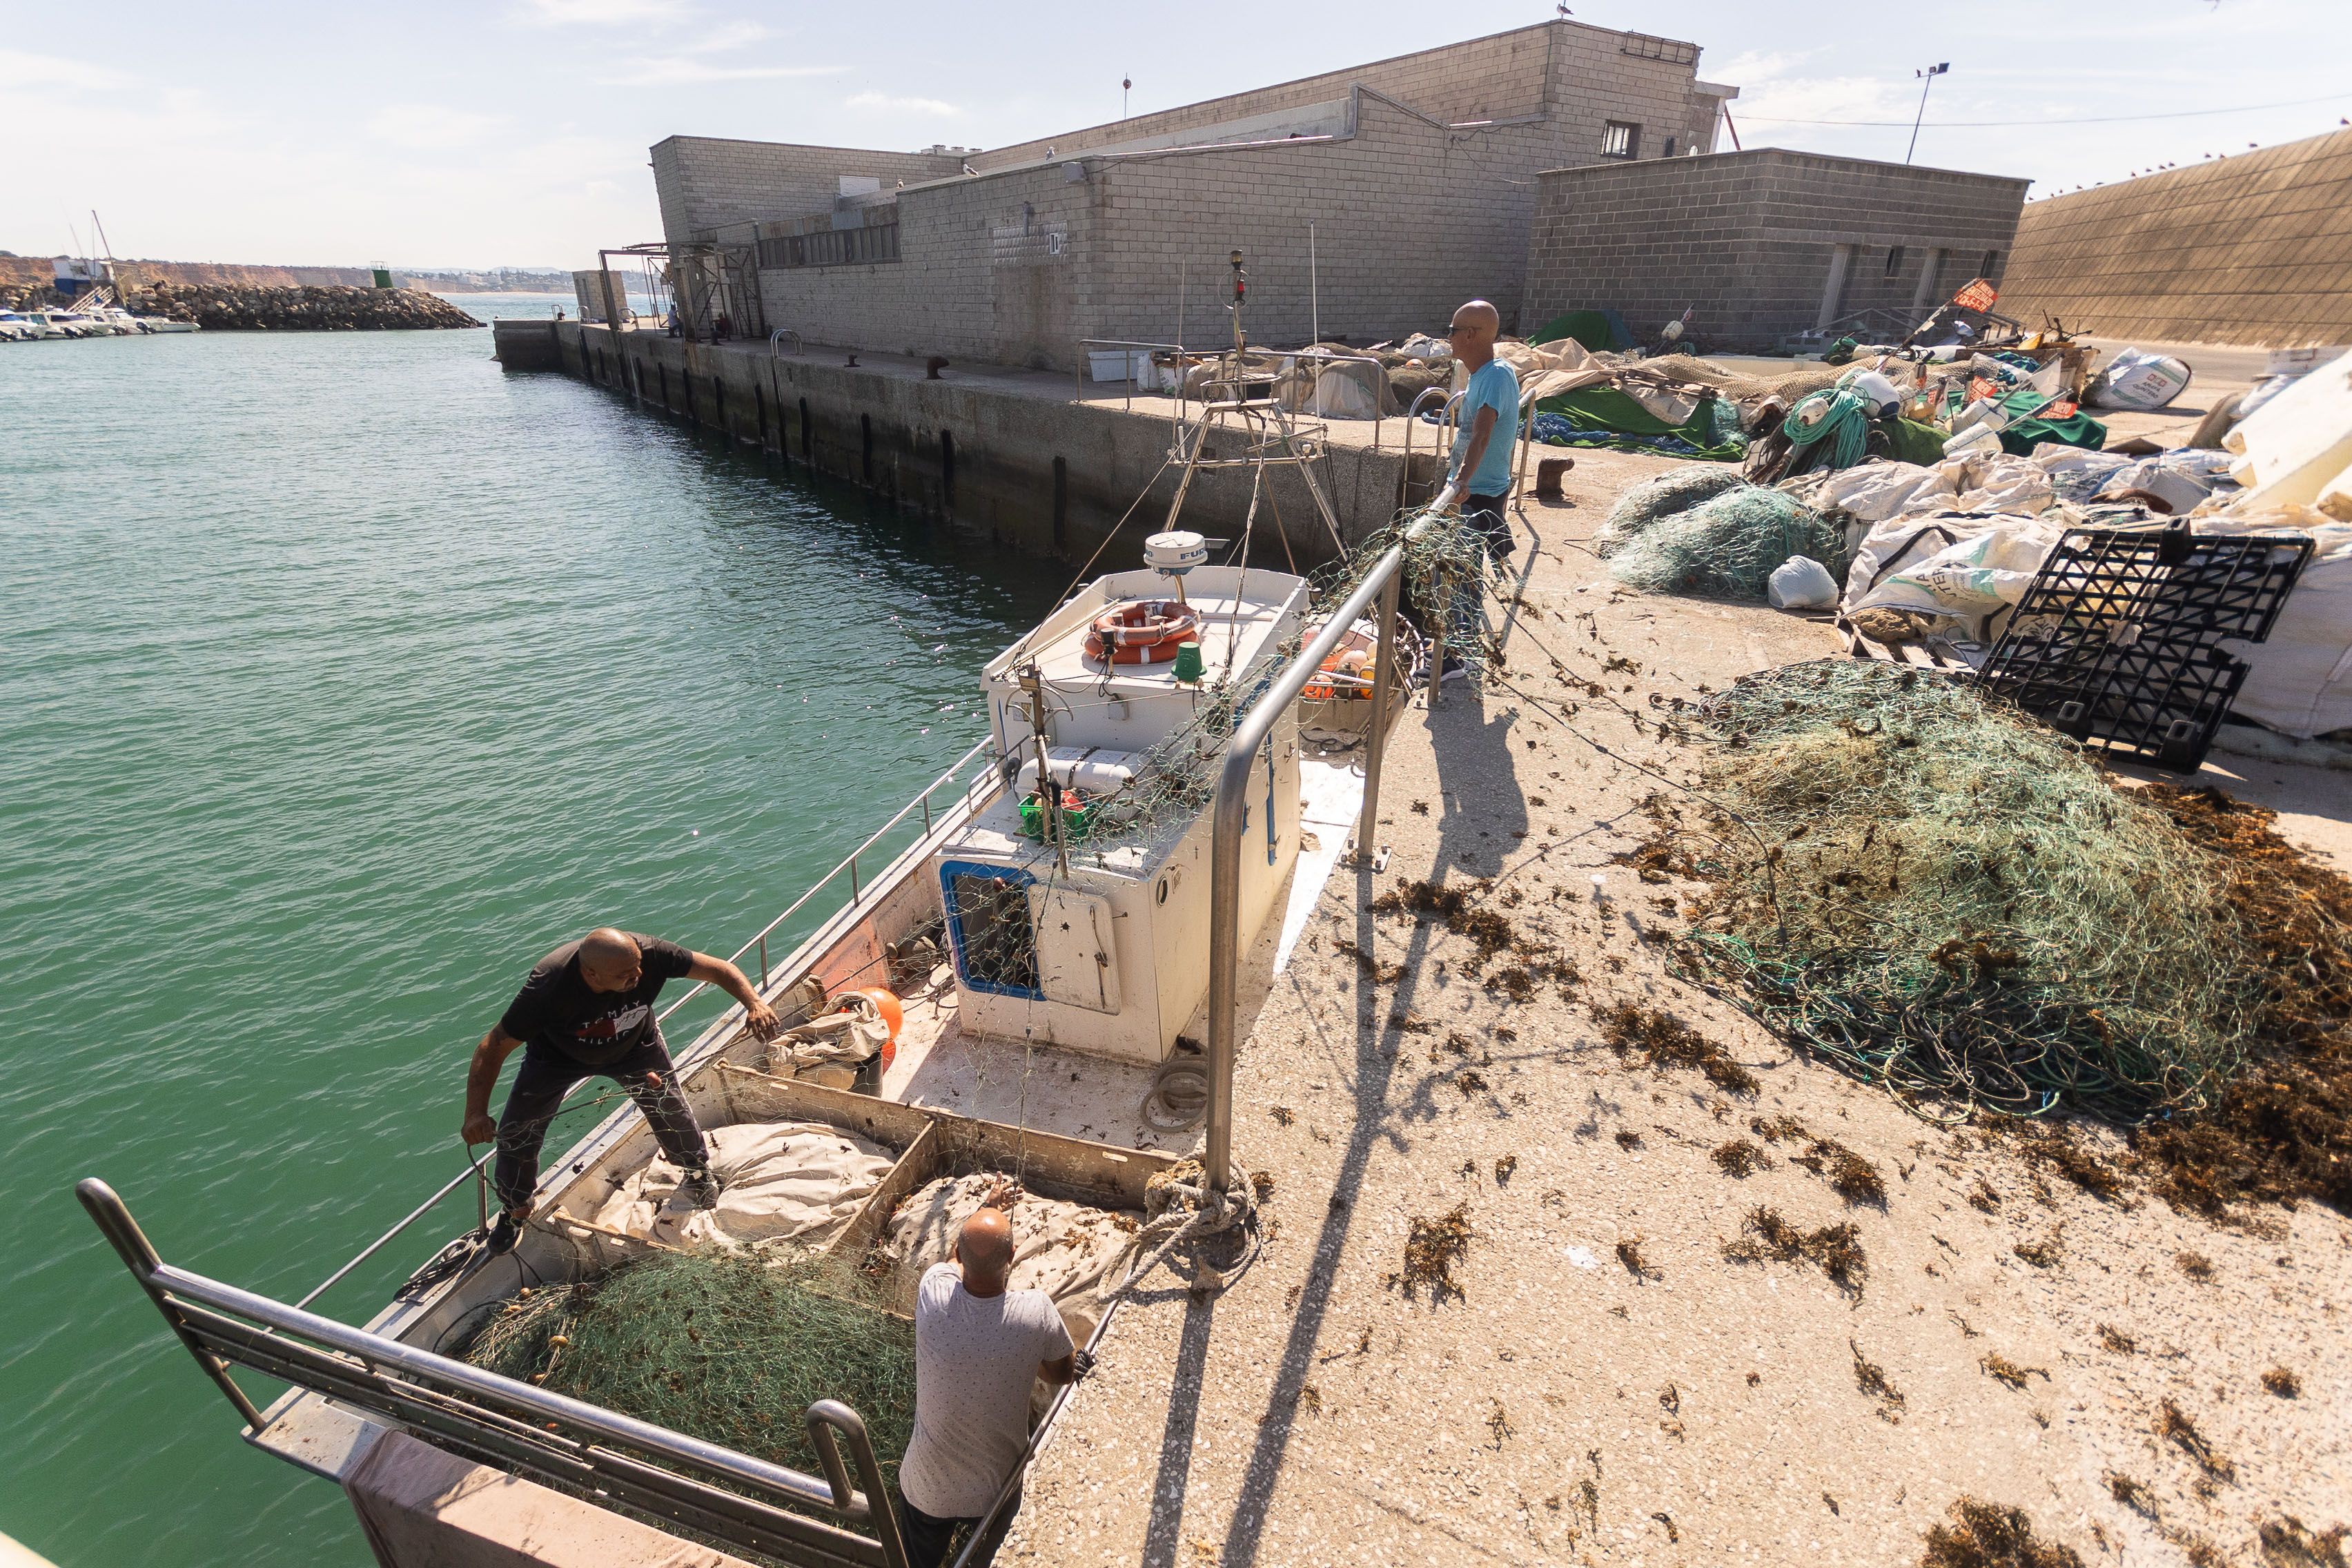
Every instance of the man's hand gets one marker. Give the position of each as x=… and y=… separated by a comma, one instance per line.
x=1082, y=1363
x=762, y=1020
x=480, y=1129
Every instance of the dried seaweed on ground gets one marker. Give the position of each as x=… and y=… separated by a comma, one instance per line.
x=1982, y=1198
x=1662, y=1040
x=1984, y=1535
x=2045, y=1252
x=1871, y=1378
x=1739, y=1157
x=1503, y=1166
x=2002, y=1369
x=2278, y=1380
x=2117, y=1341
x=1628, y=1139
x=1834, y=1249
x=1628, y=1253
x=1851, y=1176
x=2283, y=1129
x=2288, y=1543
x=1432, y=1248
x=2174, y=1426
x=2130, y=1493
x=2196, y=1265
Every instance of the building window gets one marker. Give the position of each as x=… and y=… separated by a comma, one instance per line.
x=1670, y=148
x=1620, y=139
x=1991, y=260
x=1895, y=261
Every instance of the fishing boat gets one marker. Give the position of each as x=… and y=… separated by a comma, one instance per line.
x=1063, y=939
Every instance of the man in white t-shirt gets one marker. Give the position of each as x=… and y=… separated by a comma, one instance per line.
x=977, y=1348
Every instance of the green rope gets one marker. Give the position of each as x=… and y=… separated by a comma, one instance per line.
x=1839, y=416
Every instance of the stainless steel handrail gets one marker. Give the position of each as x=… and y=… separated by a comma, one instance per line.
x=759, y=940
x=170, y=1288
x=776, y=338
x=1233, y=785
x=1126, y=399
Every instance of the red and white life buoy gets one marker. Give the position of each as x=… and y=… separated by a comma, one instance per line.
x=1143, y=631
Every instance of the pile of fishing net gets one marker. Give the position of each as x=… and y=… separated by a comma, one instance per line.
x=1706, y=532
x=720, y=1346
x=1444, y=574
x=1952, y=901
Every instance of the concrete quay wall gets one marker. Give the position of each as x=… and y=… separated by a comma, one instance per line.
x=1044, y=473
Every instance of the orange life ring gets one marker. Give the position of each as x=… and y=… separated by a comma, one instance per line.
x=1146, y=631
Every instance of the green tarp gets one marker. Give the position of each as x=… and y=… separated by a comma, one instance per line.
x=2020, y=438
x=1602, y=331
x=1604, y=417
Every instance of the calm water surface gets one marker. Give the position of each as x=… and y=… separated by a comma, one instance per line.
x=344, y=676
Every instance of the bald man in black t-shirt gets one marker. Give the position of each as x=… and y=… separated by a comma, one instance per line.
x=588, y=1009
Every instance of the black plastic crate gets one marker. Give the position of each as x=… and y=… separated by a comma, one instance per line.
x=2118, y=643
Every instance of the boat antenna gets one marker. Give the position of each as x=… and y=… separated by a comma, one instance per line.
x=1049, y=794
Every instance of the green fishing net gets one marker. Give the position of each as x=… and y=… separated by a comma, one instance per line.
x=1728, y=546
x=719, y=1346
x=1643, y=505
x=1950, y=900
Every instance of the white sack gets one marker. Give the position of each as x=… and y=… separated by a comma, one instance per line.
x=1875, y=491
x=2000, y=481
x=2136, y=382
x=782, y=1181
x=1065, y=1249
x=2296, y=443
x=1981, y=566
x=1800, y=582
x=1346, y=389
x=2301, y=683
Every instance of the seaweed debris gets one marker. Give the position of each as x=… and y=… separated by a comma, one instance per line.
x=1985, y=1535
x=1851, y=1176
x=2278, y=1380
x=1871, y=1378
x=1432, y=1248
x=2287, y=1542
x=1739, y=1157
x=1999, y=1368
x=1662, y=1040
x=1834, y=1249
x=2174, y=1426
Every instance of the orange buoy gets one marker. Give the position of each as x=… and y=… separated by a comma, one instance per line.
x=1143, y=631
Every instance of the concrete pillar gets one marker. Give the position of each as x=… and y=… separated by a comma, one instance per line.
x=1924, y=296
x=1834, y=291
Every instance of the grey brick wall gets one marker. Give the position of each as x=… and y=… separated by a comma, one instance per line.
x=1748, y=238
x=709, y=182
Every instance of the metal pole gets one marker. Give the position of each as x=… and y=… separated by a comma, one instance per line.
x=1930, y=74
x=140, y=1256
x=1314, y=293
x=1225, y=854
x=1376, y=740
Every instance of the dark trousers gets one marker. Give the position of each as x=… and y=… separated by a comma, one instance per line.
x=926, y=1539
x=542, y=1082
x=1485, y=514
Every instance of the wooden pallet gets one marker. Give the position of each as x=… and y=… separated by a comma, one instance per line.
x=1918, y=655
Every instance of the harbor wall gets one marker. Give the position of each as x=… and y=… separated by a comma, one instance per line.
x=1039, y=471
x=2254, y=249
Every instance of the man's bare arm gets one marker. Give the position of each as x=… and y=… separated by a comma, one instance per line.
x=1482, y=430
x=1060, y=1371
x=481, y=1076
x=758, y=1014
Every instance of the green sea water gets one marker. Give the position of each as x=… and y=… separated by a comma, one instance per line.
x=341, y=677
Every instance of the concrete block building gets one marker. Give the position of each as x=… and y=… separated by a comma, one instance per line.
x=1415, y=175
x=1764, y=243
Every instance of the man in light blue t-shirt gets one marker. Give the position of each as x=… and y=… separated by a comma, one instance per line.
x=1490, y=422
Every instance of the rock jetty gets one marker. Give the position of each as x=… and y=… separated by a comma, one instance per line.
x=235, y=308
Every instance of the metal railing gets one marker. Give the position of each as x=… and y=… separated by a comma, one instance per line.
x=758, y=943
x=514, y=1425
x=1321, y=360
x=1079, y=373
x=1381, y=582
x=776, y=339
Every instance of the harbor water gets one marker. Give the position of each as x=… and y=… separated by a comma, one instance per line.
x=345, y=676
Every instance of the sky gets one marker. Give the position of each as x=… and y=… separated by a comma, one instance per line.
x=513, y=133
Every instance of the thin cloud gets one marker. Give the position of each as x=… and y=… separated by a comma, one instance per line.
x=598, y=13
x=902, y=105
x=20, y=70
x=431, y=127
x=675, y=70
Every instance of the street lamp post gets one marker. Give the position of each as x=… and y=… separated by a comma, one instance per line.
x=1928, y=78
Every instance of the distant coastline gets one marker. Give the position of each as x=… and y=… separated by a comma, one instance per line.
x=24, y=280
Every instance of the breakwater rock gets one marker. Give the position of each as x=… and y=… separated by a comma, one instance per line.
x=233, y=308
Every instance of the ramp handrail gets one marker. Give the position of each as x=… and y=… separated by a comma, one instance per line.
x=1233, y=784
x=490, y=1419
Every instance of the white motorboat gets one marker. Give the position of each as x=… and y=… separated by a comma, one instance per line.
x=15, y=327
x=166, y=324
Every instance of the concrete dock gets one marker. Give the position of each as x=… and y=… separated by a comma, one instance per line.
x=1031, y=457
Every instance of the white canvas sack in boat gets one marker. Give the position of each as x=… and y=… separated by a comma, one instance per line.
x=782, y=1181
x=2136, y=381
x=2301, y=682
